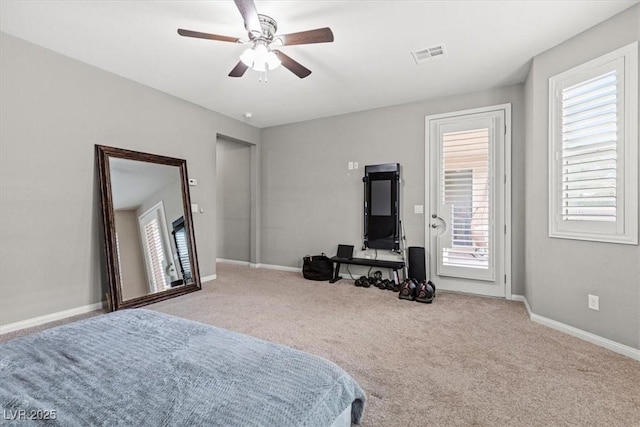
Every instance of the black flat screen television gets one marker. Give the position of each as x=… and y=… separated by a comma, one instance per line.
x=382, y=206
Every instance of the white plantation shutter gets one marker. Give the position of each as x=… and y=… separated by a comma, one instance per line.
x=458, y=186
x=593, y=151
x=589, y=149
x=465, y=168
x=153, y=241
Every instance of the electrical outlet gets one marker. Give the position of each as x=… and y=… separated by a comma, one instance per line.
x=355, y=165
x=594, y=302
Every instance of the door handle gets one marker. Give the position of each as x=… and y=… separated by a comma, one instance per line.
x=435, y=223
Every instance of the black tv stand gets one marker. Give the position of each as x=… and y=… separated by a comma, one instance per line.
x=367, y=262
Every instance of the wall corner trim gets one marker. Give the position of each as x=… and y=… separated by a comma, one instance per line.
x=41, y=320
x=614, y=346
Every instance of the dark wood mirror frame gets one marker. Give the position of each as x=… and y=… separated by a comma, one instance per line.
x=114, y=298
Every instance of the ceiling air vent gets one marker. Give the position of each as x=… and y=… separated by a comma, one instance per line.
x=423, y=55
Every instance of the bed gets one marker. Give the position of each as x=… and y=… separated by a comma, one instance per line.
x=145, y=368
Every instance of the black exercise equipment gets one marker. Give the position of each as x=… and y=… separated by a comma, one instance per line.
x=362, y=281
x=417, y=267
x=408, y=290
x=382, y=206
x=426, y=292
x=373, y=263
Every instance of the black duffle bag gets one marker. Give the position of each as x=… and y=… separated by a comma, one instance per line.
x=317, y=267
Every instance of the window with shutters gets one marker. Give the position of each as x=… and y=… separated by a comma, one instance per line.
x=593, y=152
x=153, y=242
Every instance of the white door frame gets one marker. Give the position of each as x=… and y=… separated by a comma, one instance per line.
x=507, y=183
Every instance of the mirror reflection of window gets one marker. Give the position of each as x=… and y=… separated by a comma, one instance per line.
x=156, y=258
x=157, y=249
x=180, y=239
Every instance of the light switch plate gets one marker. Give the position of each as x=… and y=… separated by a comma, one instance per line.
x=194, y=207
x=193, y=182
x=419, y=209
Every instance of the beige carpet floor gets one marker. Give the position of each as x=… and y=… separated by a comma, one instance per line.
x=461, y=361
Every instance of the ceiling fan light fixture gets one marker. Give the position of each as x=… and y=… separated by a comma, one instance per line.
x=248, y=57
x=259, y=66
x=273, y=61
x=260, y=58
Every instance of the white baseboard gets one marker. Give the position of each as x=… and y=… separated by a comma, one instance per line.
x=277, y=267
x=519, y=298
x=233, y=261
x=254, y=265
x=41, y=320
x=625, y=350
x=208, y=278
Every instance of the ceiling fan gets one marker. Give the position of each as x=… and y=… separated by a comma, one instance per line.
x=261, y=56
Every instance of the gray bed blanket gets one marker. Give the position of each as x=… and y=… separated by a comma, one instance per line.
x=144, y=368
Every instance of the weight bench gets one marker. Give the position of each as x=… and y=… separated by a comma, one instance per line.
x=367, y=262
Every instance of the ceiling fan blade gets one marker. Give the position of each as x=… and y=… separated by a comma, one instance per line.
x=196, y=34
x=292, y=65
x=320, y=35
x=249, y=13
x=238, y=70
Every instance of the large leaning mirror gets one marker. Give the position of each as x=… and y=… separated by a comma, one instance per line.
x=149, y=237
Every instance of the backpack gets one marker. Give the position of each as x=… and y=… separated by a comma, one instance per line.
x=317, y=267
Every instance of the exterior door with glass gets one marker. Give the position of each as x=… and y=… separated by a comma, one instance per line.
x=466, y=188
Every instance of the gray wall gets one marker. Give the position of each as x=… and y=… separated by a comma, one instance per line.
x=53, y=110
x=233, y=166
x=311, y=202
x=560, y=272
x=132, y=269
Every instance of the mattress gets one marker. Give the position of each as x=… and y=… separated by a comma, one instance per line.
x=141, y=367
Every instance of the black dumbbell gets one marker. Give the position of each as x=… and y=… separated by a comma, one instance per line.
x=426, y=292
x=408, y=289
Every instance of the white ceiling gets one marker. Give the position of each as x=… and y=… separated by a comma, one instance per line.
x=133, y=181
x=369, y=65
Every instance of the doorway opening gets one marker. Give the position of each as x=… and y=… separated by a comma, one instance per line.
x=236, y=201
